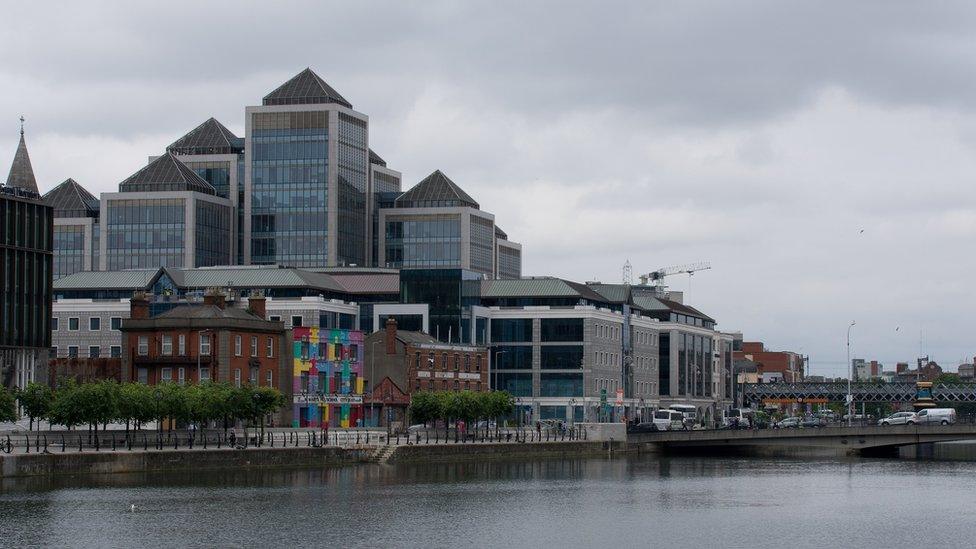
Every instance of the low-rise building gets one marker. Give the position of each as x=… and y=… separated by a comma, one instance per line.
x=783, y=365
x=327, y=377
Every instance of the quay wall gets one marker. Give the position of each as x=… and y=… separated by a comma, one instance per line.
x=429, y=453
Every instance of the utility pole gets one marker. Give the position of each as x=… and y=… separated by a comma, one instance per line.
x=850, y=374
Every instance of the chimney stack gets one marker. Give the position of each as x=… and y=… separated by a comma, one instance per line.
x=391, y=331
x=256, y=304
x=139, y=306
x=214, y=297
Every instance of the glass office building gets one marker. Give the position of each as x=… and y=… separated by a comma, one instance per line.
x=76, y=215
x=306, y=177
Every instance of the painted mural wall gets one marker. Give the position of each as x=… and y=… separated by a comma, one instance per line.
x=328, y=377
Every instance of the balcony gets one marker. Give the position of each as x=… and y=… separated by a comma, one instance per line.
x=171, y=359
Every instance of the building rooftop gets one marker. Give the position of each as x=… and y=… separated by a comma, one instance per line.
x=305, y=88
x=207, y=311
x=21, y=173
x=500, y=234
x=436, y=190
x=211, y=137
x=70, y=199
x=537, y=287
x=375, y=159
x=166, y=173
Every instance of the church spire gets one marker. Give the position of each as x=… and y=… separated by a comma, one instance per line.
x=21, y=172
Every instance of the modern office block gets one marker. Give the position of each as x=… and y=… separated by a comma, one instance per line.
x=76, y=228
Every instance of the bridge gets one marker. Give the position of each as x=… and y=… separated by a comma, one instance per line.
x=862, y=392
x=872, y=439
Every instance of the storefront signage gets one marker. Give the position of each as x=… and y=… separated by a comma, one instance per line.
x=320, y=400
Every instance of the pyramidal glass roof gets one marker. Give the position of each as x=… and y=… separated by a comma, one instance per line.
x=21, y=172
x=70, y=199
x=166, y=173
x=305, y=88
x=211, y=137
x=436, y=191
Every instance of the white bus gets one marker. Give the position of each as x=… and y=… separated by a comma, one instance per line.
x=689, y=412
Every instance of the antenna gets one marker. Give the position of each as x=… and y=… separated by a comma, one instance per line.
x=21, y=125
x=628, y=273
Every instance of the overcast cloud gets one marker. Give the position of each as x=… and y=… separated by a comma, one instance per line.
x=760, y=136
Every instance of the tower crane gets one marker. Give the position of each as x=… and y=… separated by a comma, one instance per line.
x=656, y=278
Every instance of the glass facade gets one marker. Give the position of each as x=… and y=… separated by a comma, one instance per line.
x=511, y=329
x=482, y=245
x=509, y=262
x=353, y=169
x=423, y=241
x=26, y=271
x=664, y=364
x=289, y=167
x=517, y=384
x=384, y=198
x=144, y=233
x=562, y=329
x=212, y=237
x=69, y=241
x=512, y=357
x=561, y=385
x=450, y=293
x=561, y=357
x=217, y=173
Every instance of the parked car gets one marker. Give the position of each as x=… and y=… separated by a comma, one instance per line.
x=940, y=416
x=738, y=417
x=813, y=422
x=899, y=418
x=643, y=428
x=788, y=423
x=668, y=420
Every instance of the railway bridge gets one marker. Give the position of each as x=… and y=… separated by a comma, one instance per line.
x=862, y=392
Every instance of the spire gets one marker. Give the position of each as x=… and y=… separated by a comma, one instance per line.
x=21, y=172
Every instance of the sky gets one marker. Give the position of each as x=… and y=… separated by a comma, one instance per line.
x=820, y=156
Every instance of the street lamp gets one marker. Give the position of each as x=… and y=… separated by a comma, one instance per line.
x=200, y=351
x=572, y=412
x=372, y=379
x=850, y=374
x=495, y=369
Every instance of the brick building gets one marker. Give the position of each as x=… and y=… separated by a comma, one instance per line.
x=227, y=344
x=401, y=362
x=772, y=365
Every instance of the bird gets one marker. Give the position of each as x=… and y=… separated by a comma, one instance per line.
x=132, y=508
x=861, y=231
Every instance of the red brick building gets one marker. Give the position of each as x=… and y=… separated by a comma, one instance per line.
x=786, y=365
x=210, y=341
x=399, y=362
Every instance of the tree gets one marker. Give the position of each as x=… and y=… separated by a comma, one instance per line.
x=136, y=404
x=242, y=404
x=36, y=401
x=468, y=406
x=66, y=408
x=8, y=406
x=497, y=404
x=173, y=403
x=267, y=400
x=424, y=407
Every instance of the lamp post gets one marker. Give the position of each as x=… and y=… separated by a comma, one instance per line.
x=495, y=369
x=200, y=351
x=850, y=374
x=158, y=395
x=572, y=412
x=372, y=373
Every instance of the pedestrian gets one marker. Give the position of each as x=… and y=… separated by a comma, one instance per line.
x=538, y=427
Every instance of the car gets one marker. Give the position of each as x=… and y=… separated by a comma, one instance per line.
x=643, y=428
x=940, y=416
x=813, y=422
x=788, y=423
x=899, y=418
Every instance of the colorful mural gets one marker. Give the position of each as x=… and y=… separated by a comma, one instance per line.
x=328, y=377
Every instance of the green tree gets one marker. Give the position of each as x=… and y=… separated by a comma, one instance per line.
x=8, y=406
x=946, y=377
x=66, y=408
x=467, y=406
x=173, y=403
x=497, y=404
x=36, y=401
x=242, y=405
x=135, y=403
x=424, y=407
x=267, y=400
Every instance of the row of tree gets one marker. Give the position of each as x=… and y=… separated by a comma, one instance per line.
x=467, y=406
x=101, y=402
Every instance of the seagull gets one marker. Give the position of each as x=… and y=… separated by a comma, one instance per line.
x=132, y=508
x=861, y=231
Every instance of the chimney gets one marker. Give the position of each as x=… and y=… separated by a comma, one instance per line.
x=214, y=297
x=391, y=331
x=256, y=304
x=139, y=306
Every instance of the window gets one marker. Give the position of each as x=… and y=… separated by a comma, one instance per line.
x=94, y=351
x=477, y=363
x=253, y=379
x=54, y=351
x=269, y=379
x=296, y=321
x=115, y=323
x=166, y=375
x=511, y=330
x=182, y=343
x=182, y=376
x=562, y=329
x=274, y=318
x=467, y=363
x=143, y=346
x=167, y=345
x=94, y=324
x=142, y=375
x=457, y=362
x=237, y=378
x=54, y=324
x=204, y=374
x=561, y=357
x=73, y=323
x=270, y=347
x=237, y=345
x=115, y=351
x=254, y=346
x=205, y=346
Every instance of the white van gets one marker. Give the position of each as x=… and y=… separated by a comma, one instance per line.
x=689, y=412
x=940, y=416
x=668, y=420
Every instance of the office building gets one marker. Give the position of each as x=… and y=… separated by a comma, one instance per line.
x=26, y=267
x=76, y=228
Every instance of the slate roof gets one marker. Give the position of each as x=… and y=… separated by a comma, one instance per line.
x=537, y=287
x=436, y=190
x=375, y=159
x=211, y=137
x=136, y=279
x=207, y=311
x=614, y=293
x=368, y=283
x=305, y=88
x=21, y=172
x=166, y=173
x=70, y=199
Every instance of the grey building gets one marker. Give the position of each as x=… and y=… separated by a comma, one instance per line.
x=384, y=185
x=165, y=215
x=26, y=265
x=508, y=256
x=436, y=225
x=76, y=228
x=306, y=177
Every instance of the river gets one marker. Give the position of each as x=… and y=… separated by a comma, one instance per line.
x=624, y=502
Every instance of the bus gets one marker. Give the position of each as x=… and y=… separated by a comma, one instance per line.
x=689, y=412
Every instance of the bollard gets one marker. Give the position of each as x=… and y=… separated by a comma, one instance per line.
x=37, y=443
x=367, y=437
x=79, y=444
x=176, y=442
x=190, y=442
x=113, y=442
x=272, y=440
x=428, y=437
x=357, y=438
x=62, y=442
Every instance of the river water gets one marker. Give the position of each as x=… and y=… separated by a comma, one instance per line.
x=624, y=502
